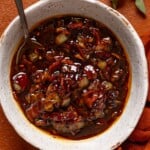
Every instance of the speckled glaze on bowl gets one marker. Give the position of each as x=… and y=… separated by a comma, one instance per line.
x=122, y=128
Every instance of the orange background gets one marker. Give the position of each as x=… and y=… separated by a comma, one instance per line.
x=9, y=139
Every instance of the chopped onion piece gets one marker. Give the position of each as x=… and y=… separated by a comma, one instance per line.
x=107, y=85
x=33, y=57
x=102, y=64
x=83, y=82
x=61, y=38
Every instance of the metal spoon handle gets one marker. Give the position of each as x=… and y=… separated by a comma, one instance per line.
x=24, y=24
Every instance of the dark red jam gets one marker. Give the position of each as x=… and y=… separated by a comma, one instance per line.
x=75, y=84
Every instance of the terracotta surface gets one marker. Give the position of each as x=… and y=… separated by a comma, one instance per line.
x=9, y=140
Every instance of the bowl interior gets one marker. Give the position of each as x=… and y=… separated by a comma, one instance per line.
x=129, y=39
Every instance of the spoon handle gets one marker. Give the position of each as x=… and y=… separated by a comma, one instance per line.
x=24, y=24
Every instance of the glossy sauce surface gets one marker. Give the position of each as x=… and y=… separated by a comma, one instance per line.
x=75, y=84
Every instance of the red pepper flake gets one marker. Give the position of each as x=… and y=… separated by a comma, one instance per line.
x=54, y=66
x=90, y=97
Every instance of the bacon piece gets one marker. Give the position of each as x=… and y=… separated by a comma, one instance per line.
x=33, y=111
x=64, y=116
x=54, y=66
x=90, y=97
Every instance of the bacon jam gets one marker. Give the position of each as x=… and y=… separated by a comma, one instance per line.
x=75, y=85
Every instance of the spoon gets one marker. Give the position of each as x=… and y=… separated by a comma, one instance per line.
x=28, y=42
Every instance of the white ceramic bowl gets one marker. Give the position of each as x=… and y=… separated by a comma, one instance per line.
x=122, y=128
